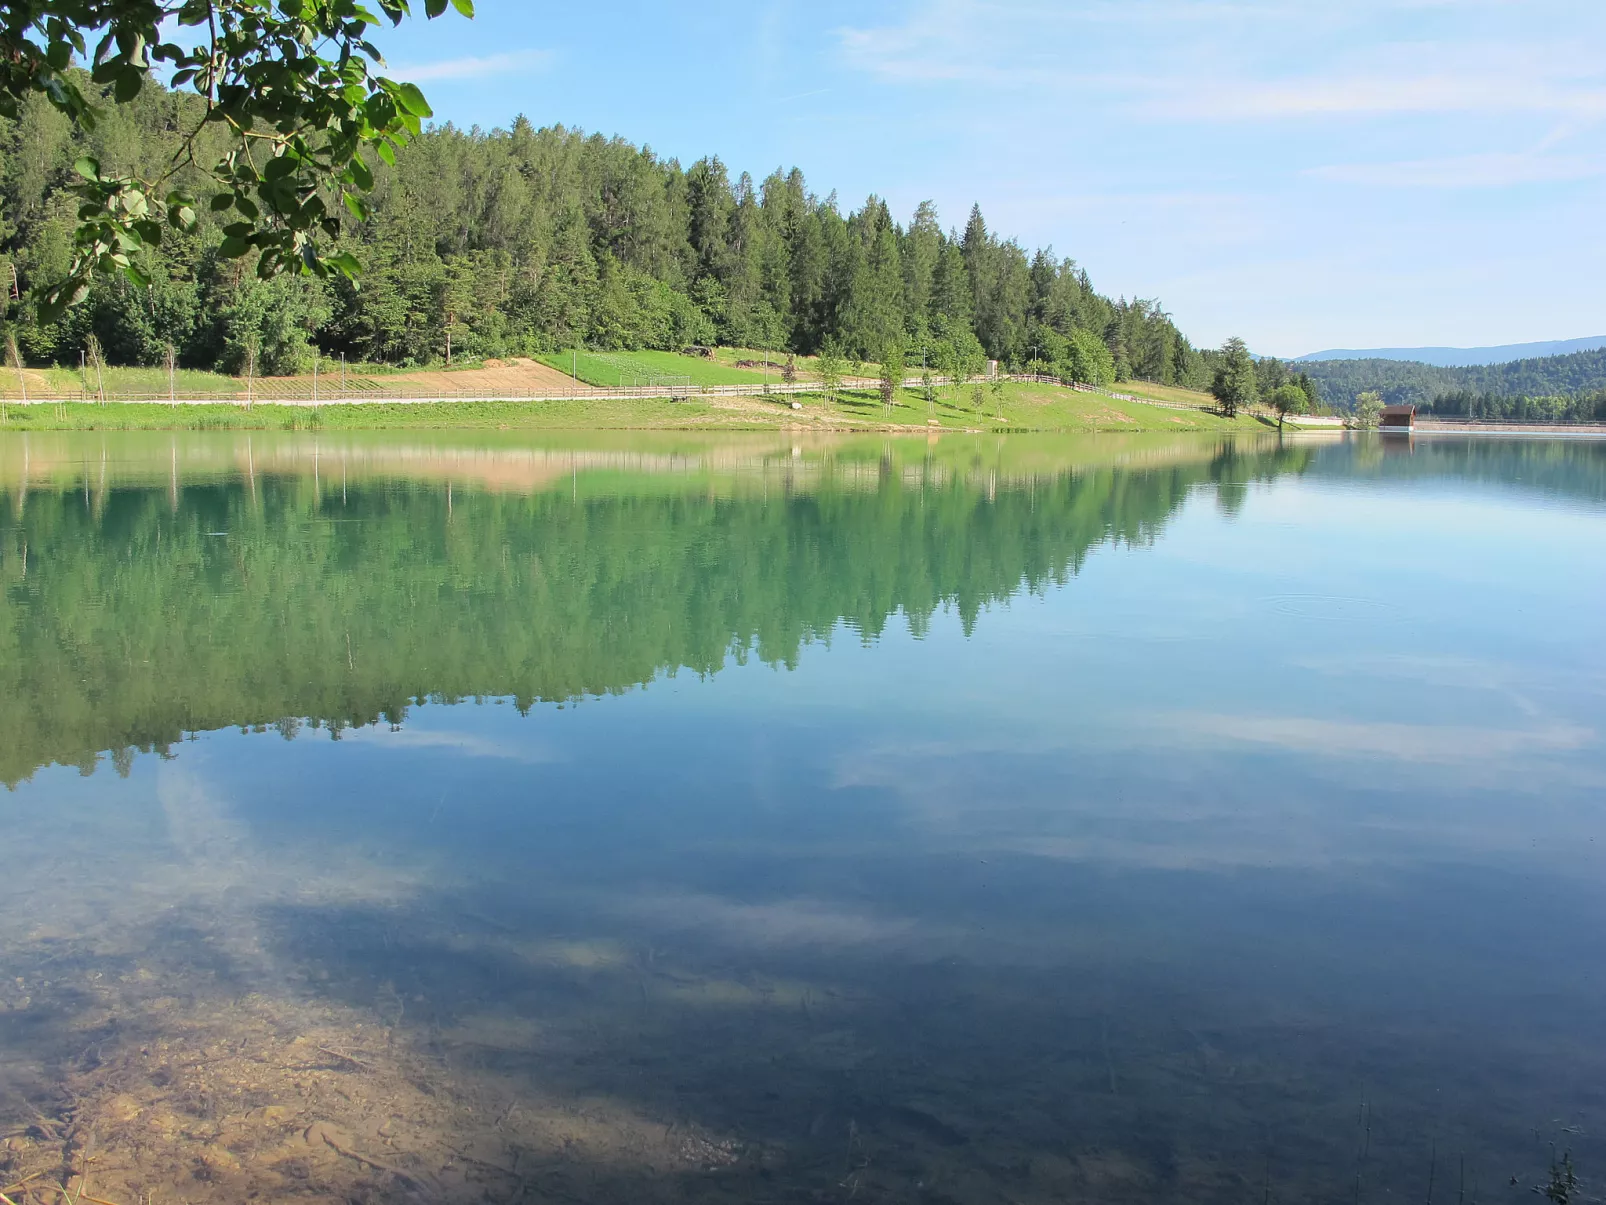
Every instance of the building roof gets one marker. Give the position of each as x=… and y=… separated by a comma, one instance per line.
x=1399, y=410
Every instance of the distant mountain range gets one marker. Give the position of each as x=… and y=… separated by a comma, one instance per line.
x=1463, y=357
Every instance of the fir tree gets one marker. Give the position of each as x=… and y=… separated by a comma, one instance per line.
x=1234, y=385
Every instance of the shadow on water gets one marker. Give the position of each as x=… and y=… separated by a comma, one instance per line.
x=198, y=1006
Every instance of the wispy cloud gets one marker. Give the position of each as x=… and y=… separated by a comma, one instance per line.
x=471, y=68
x=1369, y=94
x=1493, y=170
x=1427, y=743
x=1238, y=71
x=467, y=744
x=787, y=922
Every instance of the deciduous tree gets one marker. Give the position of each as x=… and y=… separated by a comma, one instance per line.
x=892, y=368
x=1368, y=409
x=1288, y=399
x=293, y=88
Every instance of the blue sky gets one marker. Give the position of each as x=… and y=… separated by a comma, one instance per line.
x=1305, y=173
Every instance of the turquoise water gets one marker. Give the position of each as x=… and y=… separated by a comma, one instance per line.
x=473, y=818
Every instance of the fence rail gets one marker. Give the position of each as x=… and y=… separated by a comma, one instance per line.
x=372, y=392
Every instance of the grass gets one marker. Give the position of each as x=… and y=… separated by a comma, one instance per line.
x=1016, y=407
x=616, y=368
x=152, y=381
x=1176, y=395
x=265, y=416
x=1031, y=407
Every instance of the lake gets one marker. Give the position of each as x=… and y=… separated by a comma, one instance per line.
x=487, y=817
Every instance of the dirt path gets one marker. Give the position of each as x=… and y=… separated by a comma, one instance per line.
x=510, y=378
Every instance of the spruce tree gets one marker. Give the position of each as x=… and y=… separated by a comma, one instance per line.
x=1234, y=386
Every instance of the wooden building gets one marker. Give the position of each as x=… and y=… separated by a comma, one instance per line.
x=1397, y=418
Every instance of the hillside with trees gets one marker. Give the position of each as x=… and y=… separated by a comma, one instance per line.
x=1570, y=386
x=527, y=240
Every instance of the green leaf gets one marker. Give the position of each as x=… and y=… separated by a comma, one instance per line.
x=411, y=99
x=222, y=201
x=55, y=301
x=434, y=8
x=233, y=248
x=129, y=82
x=346, y=264
x=466, y=7
x=88, y=167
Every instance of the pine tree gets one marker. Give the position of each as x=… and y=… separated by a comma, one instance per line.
x=1234, y=386
x=922, y=247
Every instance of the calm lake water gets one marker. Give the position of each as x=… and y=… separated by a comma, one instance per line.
x=460, y=818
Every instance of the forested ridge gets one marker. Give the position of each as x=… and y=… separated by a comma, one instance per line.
x=1550, y=387
x=524, y=240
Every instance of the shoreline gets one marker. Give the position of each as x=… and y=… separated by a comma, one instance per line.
x=1024, y=411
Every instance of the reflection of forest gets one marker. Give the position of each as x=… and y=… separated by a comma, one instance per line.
x=137, y=608
x=1570, y=468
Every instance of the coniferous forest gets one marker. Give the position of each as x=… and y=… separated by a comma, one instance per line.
x=523, y=240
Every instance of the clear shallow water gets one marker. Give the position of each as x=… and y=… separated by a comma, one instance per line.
x=461, y=818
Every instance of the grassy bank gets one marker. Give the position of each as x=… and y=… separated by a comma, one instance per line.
x=1019, y=407
x=628, y=369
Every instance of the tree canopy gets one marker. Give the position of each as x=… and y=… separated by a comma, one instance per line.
x=524, y=240
x=286, y=98
x=1569, y=386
